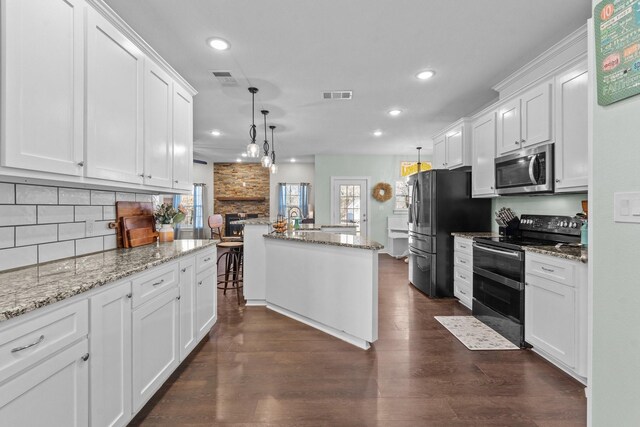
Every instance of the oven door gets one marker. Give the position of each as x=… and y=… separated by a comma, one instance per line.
x=527, y=171
x=501, y=265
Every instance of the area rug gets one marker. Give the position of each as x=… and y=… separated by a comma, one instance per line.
x=474, y=334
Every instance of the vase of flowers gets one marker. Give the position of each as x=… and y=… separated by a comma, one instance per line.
x=166, y=215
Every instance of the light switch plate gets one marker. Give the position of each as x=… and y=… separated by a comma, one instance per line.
x=626, y=207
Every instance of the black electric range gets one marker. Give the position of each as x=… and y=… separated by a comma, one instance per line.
x=499, y=270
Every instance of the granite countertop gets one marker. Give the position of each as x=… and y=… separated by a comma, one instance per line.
x=472, y=234
x=345, y=240
x=573, y=253
x=253, y=221
x=308, y=227
x=28, y=288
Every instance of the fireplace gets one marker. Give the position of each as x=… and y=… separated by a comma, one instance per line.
x=231, y=230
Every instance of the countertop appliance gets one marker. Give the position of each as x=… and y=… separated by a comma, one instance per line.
x=441, y=203
x=525, y=172
x=498, y=270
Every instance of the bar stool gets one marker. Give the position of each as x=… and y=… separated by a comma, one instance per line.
x=232, y=278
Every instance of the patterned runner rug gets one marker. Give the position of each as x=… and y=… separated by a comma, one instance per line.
x=474, y=334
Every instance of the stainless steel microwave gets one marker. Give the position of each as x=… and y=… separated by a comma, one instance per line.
x=526, y=171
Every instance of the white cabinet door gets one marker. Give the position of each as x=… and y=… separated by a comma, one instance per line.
x=110, y=345
x=455, y=148
x=440, y=153
x=114, y=103
x=550, y=318
x=484, y=153
x=571, y=154
x=52, y=393
x=509, y=127
x=43, y=84
x=182, y=139
x=536, y=115
x=206, y=285
x=156, y=347
x=188, y=308
x=158, y=136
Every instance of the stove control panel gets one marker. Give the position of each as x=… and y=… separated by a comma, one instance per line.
x=551, y=224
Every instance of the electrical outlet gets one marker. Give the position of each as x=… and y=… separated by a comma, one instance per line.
x=88, y=227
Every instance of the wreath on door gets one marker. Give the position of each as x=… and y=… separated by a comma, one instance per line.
x=382, y=192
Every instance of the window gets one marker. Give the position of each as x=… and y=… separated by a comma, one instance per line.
x=402, y=196
x=187, y=202
x=349, y=204
x=292, y=195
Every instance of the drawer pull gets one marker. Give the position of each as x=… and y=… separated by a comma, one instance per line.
x=24, y=347
x=207, y=259
x=463, y=246
x=550, y=270
x=462, y=277
x=159, y=283
x=129, y=295
x=184, y=270
x=178, y=297
x=461, y=261
x=200, y=283
x=462, y=292
x=85, y=357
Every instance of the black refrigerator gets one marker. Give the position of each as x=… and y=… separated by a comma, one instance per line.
x=441, y=203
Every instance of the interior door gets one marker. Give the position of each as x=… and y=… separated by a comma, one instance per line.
x=350, y=203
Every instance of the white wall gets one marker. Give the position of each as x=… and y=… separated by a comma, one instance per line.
x=204, y=173
x=292, y=173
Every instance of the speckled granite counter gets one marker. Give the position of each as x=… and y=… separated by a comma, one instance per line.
x=345, y=240
x=472, y=234
x=253, y=221
x=26, y=289
x=303, y=227
x=572, y=253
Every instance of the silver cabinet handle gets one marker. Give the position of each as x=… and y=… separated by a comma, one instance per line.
x=492, y=187
x=178, y=297
x=557, y=180
x=158, y=283
x=207, y=259
x=149, y=176
x=523, y=140
x=462, y=292
x=550, y=270
x=129, y=295
x=462, y=277
x=461, y=261
x=200, y=283
x=81, y=164
x=184, y=270
x=85, y=357
x=463, y=246
x=141, y=175
x=24, y=347
x=176, y=181
x=517, y=143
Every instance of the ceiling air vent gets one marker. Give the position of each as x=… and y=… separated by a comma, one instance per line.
x=337, y=94
x=225, y=78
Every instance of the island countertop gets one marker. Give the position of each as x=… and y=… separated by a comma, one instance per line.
x=302, y=227
x=28, y=288
x=333, y=239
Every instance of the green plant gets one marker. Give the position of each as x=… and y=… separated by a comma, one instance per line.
x=167, y=214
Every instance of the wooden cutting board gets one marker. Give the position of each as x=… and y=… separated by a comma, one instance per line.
x=140, y=237
x=138, y=230
x=128, y=209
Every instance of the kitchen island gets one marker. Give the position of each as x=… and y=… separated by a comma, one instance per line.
x=326, y=280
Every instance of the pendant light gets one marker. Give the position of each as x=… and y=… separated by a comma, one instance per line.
x=274, y=167
x=253, y=150
x=419, y=164
x=266, y=160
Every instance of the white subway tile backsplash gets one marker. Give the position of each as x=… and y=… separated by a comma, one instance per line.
x=84, y=213
x=74, y=196
x=109, y=213
x=102, y=197
x=18, y=257
x=101, y=228
x=7, y=194
x=144, y=198
x=54, y=251
x=110, y=242
x=17, y=215
x=36, y=195
x=7, y=239
x=54, y=214
x=90, y=245
x=72, y=230
x=35, y=234
x=125, y=197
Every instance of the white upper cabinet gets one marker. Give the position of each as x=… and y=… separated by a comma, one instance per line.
x=158, y=126
x=439, y=153
x=455, y=148
x=115, y=69
x=483, y=156
x=182, y=139
x=452, y=147
x=525, y=120
x=42, y=86
x=571, y=151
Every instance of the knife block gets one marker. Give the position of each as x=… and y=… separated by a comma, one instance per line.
x=512, y=228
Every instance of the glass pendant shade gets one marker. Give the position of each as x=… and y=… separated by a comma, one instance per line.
x=253, y=150
x=274, y=168
x=266, y=161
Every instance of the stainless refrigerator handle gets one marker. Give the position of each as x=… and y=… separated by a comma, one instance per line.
x=416, y=201
x=497, y=251
x=531, y=163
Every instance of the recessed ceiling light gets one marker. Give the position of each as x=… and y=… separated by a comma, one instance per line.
x=395, y=112
x=377, y=133
x=293, y=160
x=218, y=44
x=426, y=74
x=216, y=132
x=244, y=154
x=238, y=160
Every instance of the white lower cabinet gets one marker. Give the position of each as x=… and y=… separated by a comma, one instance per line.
x=110, y=348
x=188, y=308
x=206, y=289
x=52, y=393
x=556, y=311
x=463, y=271
x=156, y=349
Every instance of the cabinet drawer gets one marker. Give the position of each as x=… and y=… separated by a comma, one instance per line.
x=463, y=261
x=463, y=245
x=463, y=292
x=154, y=283
x=549, y=268
x=463, y=275
x=26, y=343
x=205, y=259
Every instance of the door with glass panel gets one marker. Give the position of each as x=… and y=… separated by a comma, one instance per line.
x=349, y=204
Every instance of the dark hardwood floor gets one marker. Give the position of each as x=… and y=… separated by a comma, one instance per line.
x=258, y=368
